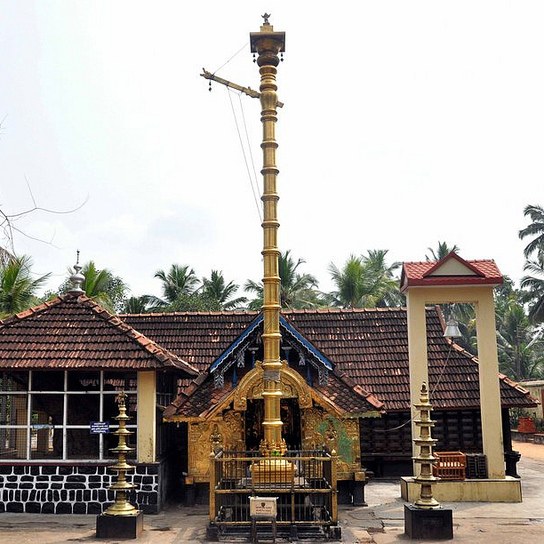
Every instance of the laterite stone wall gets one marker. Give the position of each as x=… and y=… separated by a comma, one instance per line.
x=74, y=489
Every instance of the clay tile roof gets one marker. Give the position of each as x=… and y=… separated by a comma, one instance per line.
x=198, y=337
x=348, y=397
x=73, y=332
x=369, y=349
x=478, y=272
x=202, y=396
x=199, y=400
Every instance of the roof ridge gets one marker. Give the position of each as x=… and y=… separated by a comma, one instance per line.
x=19, y=316
x=206, y=312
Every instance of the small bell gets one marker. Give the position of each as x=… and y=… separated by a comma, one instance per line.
x=452, y=329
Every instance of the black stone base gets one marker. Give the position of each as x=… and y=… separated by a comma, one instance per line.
x=119, y=526
x=212, y=533
x=335, y=532
x=426, y=524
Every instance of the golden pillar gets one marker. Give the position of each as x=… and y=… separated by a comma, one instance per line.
x=267, y=44
x=121, y=506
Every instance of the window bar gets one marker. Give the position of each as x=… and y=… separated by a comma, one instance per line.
x=29, y=417
x=65, y=419
x=101, y=415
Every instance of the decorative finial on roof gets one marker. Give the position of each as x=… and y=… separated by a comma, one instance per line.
x=266, y=16
x=77, y=278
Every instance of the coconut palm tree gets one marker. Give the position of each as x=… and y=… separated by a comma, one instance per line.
x=17, y=288
x=178, y=280
x=100, y=285
x=441, y=251
x=534, y=284
x=519, y=344
x=140, y=305
x=535, y=228
x=365, y=282
x=297, y=291
x=215, y=288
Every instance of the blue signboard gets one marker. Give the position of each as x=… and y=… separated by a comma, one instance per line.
x=100, y=427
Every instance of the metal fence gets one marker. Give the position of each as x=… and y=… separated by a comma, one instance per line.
x=304, y=483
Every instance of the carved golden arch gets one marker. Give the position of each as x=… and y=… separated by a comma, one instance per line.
x=252, y=384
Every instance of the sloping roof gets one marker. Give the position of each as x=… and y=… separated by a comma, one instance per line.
x=198, y=337
x=342, y=394
x=369, y=346
x=73, y=332
x=450, y=270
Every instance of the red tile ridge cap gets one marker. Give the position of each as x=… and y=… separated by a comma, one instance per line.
x=174, y=314
x=359, y=390
x=517, y=386
x=343, y=310
x=31, y=311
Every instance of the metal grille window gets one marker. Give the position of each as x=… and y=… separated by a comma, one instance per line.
x=62, y=415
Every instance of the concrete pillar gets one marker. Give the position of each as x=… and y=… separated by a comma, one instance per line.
x=490, y=402
x=147, y=419
x=417, y=354
x=490, y=399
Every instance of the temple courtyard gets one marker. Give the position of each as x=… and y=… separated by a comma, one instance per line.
x=381, y=522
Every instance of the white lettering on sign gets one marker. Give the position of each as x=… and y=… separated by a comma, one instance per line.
x=263, y=507
x=100, y=427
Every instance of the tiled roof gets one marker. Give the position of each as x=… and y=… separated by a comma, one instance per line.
x=73, y=332
x=198, y=337
x=369, y=346
x=417, y=274
x=201, y=397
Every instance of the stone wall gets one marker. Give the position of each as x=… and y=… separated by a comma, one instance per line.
x=74, y=489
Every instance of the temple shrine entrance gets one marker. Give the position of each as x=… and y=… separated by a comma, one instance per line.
x=290, y=416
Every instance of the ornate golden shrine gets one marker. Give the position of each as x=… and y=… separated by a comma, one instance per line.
x=320, y=424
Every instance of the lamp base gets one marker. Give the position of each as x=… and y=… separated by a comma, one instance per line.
x=119, y=526
x=428, y=524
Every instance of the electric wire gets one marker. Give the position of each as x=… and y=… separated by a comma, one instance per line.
x=244, y=154
x=226, y=62
x=254, y=179
x=430, y=395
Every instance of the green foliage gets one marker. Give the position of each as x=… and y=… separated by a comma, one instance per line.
x=533, y=284
x=177, y=281
x=441, y=251
x=100, y=285
x=365, y=282
x=520, y=344
x=216, y=289
x=17, y=287
x=141, y=305
x=535, y=229
x=297, y=291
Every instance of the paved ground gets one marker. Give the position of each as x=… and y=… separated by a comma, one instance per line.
x=382, y=522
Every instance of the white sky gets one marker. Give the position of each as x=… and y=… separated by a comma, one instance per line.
x=406, y=123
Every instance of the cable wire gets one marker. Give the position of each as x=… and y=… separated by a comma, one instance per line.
x=430, y=395
x=237, y=53
x=244, y=154
x=254, y=179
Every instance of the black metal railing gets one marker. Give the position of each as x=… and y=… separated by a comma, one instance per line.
x=304, y=483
